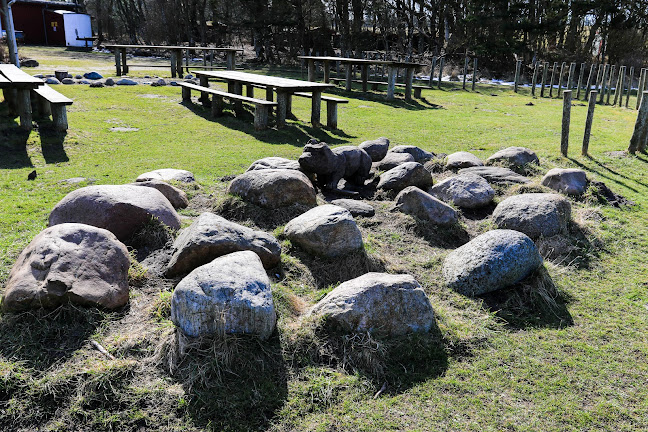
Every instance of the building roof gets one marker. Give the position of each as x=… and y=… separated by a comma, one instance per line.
x=49, y=3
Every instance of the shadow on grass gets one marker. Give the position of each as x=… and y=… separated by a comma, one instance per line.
x=52, y=143
x=605, y=174
x=294, y=132
x=445, y=237
x=13, y=143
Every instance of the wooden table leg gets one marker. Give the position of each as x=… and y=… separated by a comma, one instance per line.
x=365, y=77
x=174, y=60
x=249, y=90
x=327, y=71
x=317, y=107
x=409, y=78
x=311, y=70
x=118, y=62
x=124, y=64
x=282, y=102
x=349, y=76
x=231, y=60
x=10, y=96
x=238, y=105
x=204, y=97
x=391, y=82
x=179, y=63
x=24, y=109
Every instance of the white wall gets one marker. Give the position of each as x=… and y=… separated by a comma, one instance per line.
x=76, y=23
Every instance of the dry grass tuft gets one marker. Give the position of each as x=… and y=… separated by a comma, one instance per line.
x=152, y=236
x=234, y=208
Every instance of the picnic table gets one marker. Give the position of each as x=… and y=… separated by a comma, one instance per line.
x=122, y=66
x=392, y=68
x=284, y=87
x=16, y=86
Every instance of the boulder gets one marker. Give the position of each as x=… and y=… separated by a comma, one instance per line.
x=496, y=174
x=110, y=82
x=464, y=190
x=211, y=236
x=534, y=214
x=78, y=77
x=462, y=159
x=274, y=188
x=274, y=163
x=326, y=230
x=355, y=207
x=415, y=202
x=159, y=83
x=177, y=197
x=514, y=156
x=92, y=75
x=52, y=80
x=121, y=209
x=126, y=82
x=167, y=174
x=69, y=263
x=417, y=153
x=28, y=63
x=492, y=261
x=379, y=303
x=96, y=84
x=569, y=181
x=376, y=149
x=332, y=165
x=402, y=176
x=230, y=295
x=68, y=81
x=392, y=160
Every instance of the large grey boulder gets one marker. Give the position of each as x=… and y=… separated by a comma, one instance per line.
x=464, y=190
x=569, y=181
x=69, y=263
x=514, y=156
x=211, y=236
x=534, y=214
x=496, y=174
x=377, y=149
x=492, y=261
x=357, y=208
x=121, y=209
x=326, y=230
x=417, y=153
x=177, y=197
x=274, y=163
x=274, y=188
x=126, y=82
x=167, y=174
x=402, y=176
x=230, y=295
x=392, y=160
x=462, y=159
x=415, y=202
x=379, y=303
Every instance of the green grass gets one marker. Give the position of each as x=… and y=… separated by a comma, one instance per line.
x=489, y=368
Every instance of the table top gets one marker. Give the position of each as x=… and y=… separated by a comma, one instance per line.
x=268, y=81
x=11, y=76
x=363, y=61
x=228, y=49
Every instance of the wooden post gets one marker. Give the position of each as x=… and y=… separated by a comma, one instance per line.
x=118, y=62
x=588, y=122
x=474, y=74
x=217, y=106
x=391, y=82
x=553, y=75
x=44, y=108
x=545, y=70
x=630, y=79
x=204, y=97
x=331, y=114
x=327, y=71
x=560, y=78
x=59, y=117
x=231, y=60
x=604, y=77
x=349, y=77
x=364, y=76
x=640, y=134
x=534, y=79
x=609, y=85
x=570, y=76
x=316, y=104
x=590, y=77
x=260, y=117
x=640, y=87
x=432, y=67
x=441, y=64
x=518, y=68
x=124, y=64
x=581, y=73
x=249, y=91
x=465, y=71
x=186, y=94
x=24, y=109
x=311, y=70
x=619, y=85
x=564, y=137
x=173, y=64
x=599, y=73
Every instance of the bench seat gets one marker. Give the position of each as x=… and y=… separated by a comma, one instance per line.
x=375, y=84
x=52, y=102
x=331, y=107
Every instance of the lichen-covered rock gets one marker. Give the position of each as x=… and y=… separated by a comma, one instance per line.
x=69, y=263
x=462, y=159
x=402, y=176
x=326, y=230
x=514, y=156
x=379, y=303
x=496, y=174
x=392, y=160
x=211, y=236
x=168, y=174
x=415, y=202
x=357, y=208
x=274, y=163
x=417, y=153
x=492, y=261
x=464, y=190
x=569, y=181
x=274, y=188
x=230, y=295
x=177, y=197
x=376, y=149
x=534, y=214
x=121, y=209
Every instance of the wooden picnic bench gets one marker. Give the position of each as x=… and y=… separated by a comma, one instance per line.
x=261, y=107
x=16, y=86
x=49, y=101
x=331, y=107
x=374, y=85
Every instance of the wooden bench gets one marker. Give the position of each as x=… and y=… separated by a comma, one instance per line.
x=49, y=101
x=261, y=107
x=331, y=107
x=375, y=84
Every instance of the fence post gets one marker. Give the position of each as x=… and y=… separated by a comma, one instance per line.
x=474, y=74
x=518, y=67
x=619, y=85
x=630, y=79
x=642, y=78
x=432, y=67
x=553, y=75
x=534, y=79
x=588, y=122
x=640, y=134
x=564, y=137
x=465, y=71
x=545, y=69
x=581, y=73
x=570, y=77
x=560, y=78
x=606, y=69
x=610, y=82
x=590, y=77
